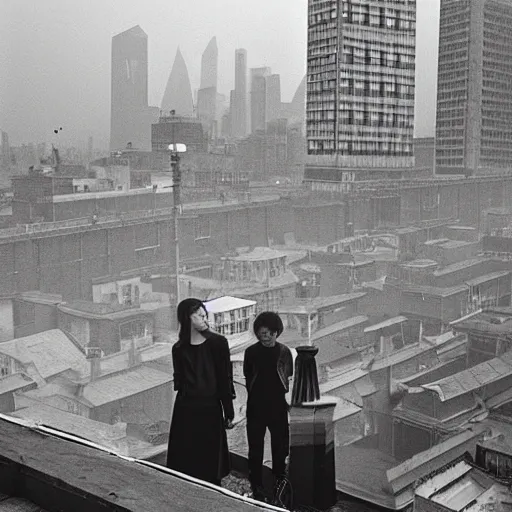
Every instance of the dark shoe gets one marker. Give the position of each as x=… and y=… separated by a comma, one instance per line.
x=281, y=497
x=258, y=493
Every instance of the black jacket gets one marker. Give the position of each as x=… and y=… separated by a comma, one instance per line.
x=284, y=366
x=223, y=371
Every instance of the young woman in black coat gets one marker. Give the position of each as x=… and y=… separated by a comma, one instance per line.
x=203, y=408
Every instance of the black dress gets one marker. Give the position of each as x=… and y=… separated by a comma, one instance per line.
x=203, y=378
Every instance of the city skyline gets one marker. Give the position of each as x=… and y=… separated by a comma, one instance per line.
x=31, y=101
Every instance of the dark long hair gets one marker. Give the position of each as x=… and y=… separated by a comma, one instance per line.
x=186, y=308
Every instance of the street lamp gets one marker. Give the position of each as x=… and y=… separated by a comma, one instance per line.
x=174, y=161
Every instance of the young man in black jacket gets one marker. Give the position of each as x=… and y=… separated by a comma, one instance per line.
x=268, y=368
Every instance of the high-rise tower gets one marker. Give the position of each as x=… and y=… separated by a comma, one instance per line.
x=259, y=98
x=207, y=94
x=209, y=65
x=273, y=100
x=239, y=113
x=178, y=93
x=474, y=101
x=360, y=87
x=131, y=118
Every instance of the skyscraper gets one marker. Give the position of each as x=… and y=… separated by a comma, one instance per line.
x=273, y=99
x=209, y=64
x=207, y=94
x=474, y=102
x=360, y=96
x=259, y=98
x=178, y=93
x=239, y=113
x=131, y=118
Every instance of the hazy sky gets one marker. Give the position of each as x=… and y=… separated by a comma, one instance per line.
x=55, y=56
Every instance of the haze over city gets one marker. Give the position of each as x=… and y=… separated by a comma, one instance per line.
x=256, y=252
x=56, y=56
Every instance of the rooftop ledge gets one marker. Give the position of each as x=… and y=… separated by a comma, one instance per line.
x=62, y=472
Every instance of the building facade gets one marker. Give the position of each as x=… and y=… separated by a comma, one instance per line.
x=360, y=87
x=474, y=102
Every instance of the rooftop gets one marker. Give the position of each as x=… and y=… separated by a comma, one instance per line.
x=495, y=320
x=99, y=310
x=227, y=303
x=259, y=254
x=310, y=305
x=121, y=385
x=459, y=265
x=435, y=291
x=472, y=378
x=51, y=352
x=60, y=471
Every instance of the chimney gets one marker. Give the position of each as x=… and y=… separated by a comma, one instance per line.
x=94, y=356
x=312, y=470
x=133, y=355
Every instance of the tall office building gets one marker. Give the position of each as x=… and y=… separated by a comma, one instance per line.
x=178, y=92
x=239, y=112
x=259, y=98
x=207, y=94
x=474, y=99
x=360, y=87
x=273, y=99
x=209, y=65
x=131, y=117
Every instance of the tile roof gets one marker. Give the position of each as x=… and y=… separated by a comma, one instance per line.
x=124, y=384
x=51, y=352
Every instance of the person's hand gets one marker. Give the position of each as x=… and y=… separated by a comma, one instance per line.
x=228, y=424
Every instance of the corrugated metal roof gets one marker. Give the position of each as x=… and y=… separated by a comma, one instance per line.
x=470, y=379
x=128, y=383
x=51, y=352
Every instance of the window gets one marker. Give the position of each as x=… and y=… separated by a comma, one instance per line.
x=235, y=321
x=126, y=294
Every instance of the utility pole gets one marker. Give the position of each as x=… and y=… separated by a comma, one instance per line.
x=174, y=156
